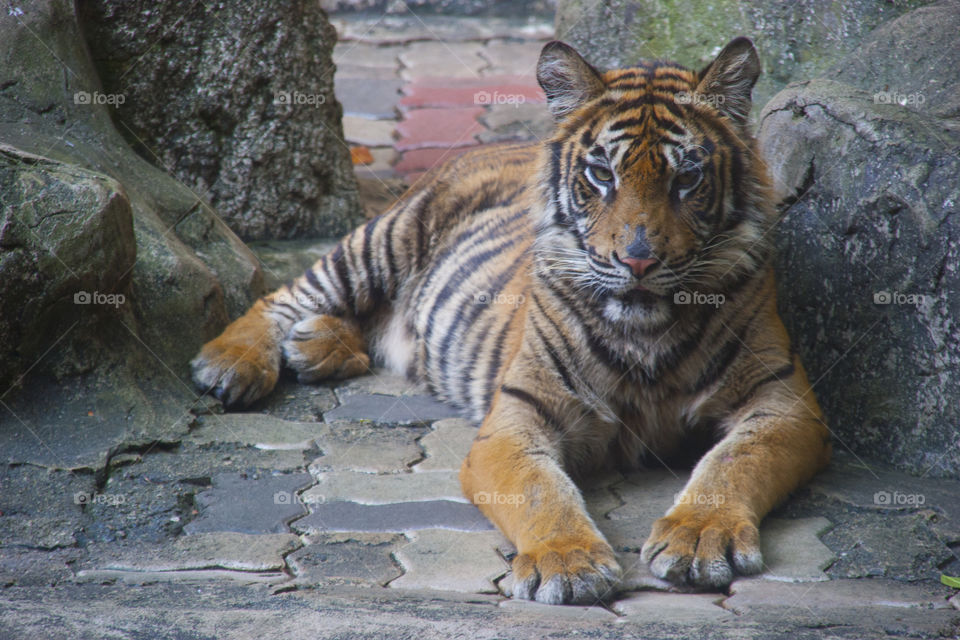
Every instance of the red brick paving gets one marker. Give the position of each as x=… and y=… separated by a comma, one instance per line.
x=423, y=159
x=459, y=92
x=423, y=128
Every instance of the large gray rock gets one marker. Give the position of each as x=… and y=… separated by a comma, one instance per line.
x=235, y=100
x=869, y=286
x=796, y=40
x=912, y=61
x=83, y=217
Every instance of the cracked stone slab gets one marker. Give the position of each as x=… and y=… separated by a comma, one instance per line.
x=689, y=608
x=625, y=535
x=447, y=445
x=751, y=594
x=222, y=550
x=370, y=489
x=380, y=382
x=39, y=532
x=872, y=544
x=153, y=577
x=353, y=561
x=249, y=503
x=21, y=566
x=600, y=501
x=395, y=517
x=412, y=409
x=41, y=508
x=792, y=551
x=257, y=430
x=451, y=561
x=522, y=610
x=882, y=489
x=647, y=495
x=295, y=402
x=354, y=446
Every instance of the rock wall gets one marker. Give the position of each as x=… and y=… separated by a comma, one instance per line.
x=797, y=39
x=870, y=238
x=112, y=273
x=236, y=101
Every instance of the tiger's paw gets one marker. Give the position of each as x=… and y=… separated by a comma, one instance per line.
x=566, y=574
x=237, y=373
x=703, y=546
x=324, y=347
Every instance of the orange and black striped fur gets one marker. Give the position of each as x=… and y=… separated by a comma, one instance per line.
x=601, y=299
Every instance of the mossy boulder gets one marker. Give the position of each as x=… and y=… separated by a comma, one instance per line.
x=797, y=40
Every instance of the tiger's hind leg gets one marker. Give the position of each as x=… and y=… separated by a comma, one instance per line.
x=324, y=347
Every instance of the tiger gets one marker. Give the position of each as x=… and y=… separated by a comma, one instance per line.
x=597, y=301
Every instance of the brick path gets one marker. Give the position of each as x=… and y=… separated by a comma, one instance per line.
x=415, y=98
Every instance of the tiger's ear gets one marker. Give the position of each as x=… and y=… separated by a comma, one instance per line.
x=568, y=80
x=728, y=81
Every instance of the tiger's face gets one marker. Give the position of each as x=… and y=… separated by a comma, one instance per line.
x=654, y=189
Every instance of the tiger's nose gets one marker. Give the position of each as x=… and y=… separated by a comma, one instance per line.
x=638, y=254
x=638, y=266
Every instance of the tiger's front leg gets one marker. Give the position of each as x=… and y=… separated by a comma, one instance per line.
x=514, y=475
x=777, y=442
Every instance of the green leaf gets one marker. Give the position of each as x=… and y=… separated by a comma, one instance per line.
x=950, y=581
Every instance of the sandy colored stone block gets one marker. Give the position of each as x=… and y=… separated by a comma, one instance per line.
x=518, y=58
x=453, y=59
x=381, y=381
x=792, y=551
x=257, y=430
x=219, y=550
x=451, y=561
x=371, y=133
x=368, y=448
x=446, y=445
x=367, y=488
x=674, y=607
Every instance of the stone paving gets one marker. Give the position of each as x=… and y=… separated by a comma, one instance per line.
x=334, y=510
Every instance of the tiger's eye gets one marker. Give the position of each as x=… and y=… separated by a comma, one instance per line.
x=686, y=179
x=601, y=173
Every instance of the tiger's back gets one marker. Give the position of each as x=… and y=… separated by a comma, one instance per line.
x=458, y=319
